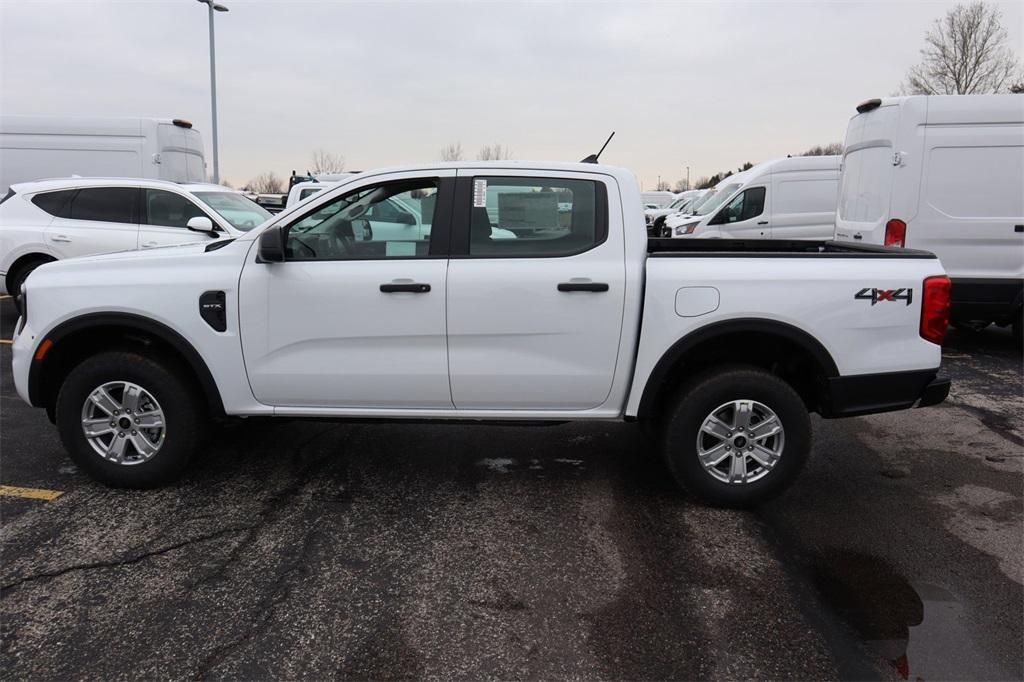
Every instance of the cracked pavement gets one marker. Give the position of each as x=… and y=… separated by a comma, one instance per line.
x=312, y=549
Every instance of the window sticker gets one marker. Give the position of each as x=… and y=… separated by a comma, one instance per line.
x=480, y=193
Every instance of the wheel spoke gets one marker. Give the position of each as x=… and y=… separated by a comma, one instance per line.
x=769, y=427
x=150, y=420
x=763, y=455
x=132, y=396
x=741, y=415
x=103, y=400
x=97, y=427
x=738, y=470
x=142, y=445
x=714, y=456
x=716, y=427
x=115, y=451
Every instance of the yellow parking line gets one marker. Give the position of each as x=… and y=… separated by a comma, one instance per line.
x=3, y=296
x=7, y=341
x=30, y=493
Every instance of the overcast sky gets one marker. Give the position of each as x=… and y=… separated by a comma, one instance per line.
x=705, y=85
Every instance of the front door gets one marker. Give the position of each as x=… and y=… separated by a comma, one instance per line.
x=353, y=319
x=164, y=219
x=536, y=287
x=746, y=216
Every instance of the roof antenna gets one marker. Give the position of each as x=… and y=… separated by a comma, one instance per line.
x=593, y=157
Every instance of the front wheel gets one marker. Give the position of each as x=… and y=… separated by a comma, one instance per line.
x=129, y=420
x=736, y=437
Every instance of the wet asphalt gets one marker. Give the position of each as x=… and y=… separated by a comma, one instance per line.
x=313, y=549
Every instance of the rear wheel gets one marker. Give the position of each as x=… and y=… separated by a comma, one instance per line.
x=18, y=277
x=129, y=420
x=736, y=436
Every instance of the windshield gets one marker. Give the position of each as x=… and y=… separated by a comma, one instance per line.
x=243, y=213
x=716, y=199
x=679, y=203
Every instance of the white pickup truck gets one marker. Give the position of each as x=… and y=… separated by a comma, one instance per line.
x=725, y=346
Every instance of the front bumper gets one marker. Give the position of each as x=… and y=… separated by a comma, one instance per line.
x=851, y=396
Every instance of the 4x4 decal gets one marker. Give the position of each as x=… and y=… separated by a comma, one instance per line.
x=875, y=295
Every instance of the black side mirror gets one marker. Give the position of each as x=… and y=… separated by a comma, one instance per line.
x=271, y=249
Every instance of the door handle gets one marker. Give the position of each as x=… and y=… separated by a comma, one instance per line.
x=762, y=222
x=60, y=238
x=412, y=288
x=1018, y=228
x=582, y=286
x=148, y=245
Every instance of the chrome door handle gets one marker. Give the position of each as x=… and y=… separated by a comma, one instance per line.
x=60, y=238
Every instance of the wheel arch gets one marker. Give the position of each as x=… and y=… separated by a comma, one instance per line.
x=783, y=348
x=21, y=261
x=78, y=338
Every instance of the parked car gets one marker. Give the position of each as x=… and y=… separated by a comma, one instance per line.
x=655, y=217
x=705, y=205
x=586, y=321
x=944, y=174
x=791, y=198
x=49, y=220
x=36, y=147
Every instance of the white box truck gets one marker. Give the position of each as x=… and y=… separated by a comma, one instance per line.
x=37, y=147
x=943, y=174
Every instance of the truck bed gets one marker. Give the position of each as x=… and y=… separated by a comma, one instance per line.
x=774, y=248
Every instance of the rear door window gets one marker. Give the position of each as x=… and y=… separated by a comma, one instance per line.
x=106, y=204
x=541, y=217
x=864, y=184
x=55, y=203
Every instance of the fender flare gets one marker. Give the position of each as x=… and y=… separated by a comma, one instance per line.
x=131, y=321
x=669, y=359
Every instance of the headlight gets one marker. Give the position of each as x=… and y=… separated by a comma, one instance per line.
x=685, y=229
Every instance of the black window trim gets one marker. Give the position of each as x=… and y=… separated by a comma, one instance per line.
x=440, y=229
x=463, y=212
x=144, y=210
x=719, y=218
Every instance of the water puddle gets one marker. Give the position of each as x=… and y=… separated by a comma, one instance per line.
x=918, y=629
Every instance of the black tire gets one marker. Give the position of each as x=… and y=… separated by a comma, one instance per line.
x=183, y=416
x=19, y=276
x=699, y=398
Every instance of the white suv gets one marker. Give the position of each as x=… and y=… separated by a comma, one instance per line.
x=50, y=220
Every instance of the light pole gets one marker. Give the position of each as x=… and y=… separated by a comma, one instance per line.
x=687, y=177
x=214, y=6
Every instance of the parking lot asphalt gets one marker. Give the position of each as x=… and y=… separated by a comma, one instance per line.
x=313, y=549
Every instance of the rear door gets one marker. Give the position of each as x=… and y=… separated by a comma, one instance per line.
x=181, y=154
x=535, y=294
x=96, y=220
x=867, y=174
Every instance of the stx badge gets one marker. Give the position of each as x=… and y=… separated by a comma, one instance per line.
x=878, y=295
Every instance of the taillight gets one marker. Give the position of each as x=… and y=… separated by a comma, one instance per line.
x=896, y=233
x=935, y=309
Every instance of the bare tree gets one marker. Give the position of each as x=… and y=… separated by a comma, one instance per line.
x=326, y=162
x=663, y=186
x=965, y=53
x=267, y=183
x=680, y=186
x=703, y=182
x=452, y=152
x=830, y=149
x=226, y=183
x=494, y=152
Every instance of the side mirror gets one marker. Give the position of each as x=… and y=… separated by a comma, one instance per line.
x=201, y=223
x=405, y=219
x=271, y=249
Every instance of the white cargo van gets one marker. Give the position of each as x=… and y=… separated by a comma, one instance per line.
x=37, y=147
x=791, y=198
x=943, y=174
x=659, y=199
